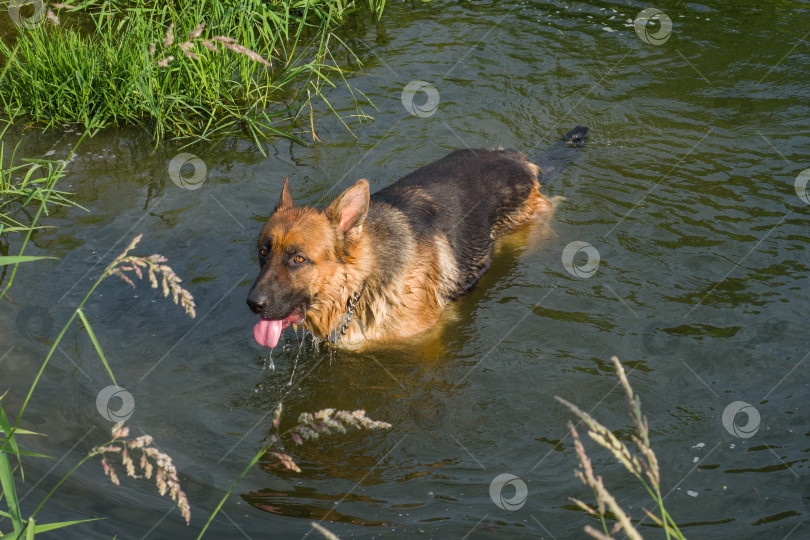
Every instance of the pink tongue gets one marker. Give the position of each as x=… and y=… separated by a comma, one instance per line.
x=267, y=332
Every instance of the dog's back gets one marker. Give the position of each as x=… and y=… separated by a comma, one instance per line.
x=468, y=198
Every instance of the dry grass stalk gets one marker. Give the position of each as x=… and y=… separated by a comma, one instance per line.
x=169, y=38
x=208, y=45
x=642, y=437
x=584, y=506
x=603, y=496
x=329, y=535
x=153, y=264
x=287, y=461
x=643, y=466
x=195, y=36
x=197, y=32
x=239, y=49
x=604, y=437
x=187, y=46
x=152, y=462
x=313, y=425
x=596, y=533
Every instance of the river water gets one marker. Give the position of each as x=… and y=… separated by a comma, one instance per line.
x=685, y=232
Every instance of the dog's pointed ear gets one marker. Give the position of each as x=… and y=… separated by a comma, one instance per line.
x=348, y=211
x=286, y=201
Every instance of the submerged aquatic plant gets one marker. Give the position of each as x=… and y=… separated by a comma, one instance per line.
x=643, y=465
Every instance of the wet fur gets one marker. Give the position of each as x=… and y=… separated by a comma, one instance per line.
x=416, y=245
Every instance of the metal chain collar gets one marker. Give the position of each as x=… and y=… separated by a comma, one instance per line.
x=349, y=315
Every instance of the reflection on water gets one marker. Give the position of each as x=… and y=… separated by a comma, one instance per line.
x=685, y=190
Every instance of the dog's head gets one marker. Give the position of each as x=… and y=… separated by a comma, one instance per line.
x=301, y=250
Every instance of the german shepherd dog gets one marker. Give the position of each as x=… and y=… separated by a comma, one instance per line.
x=380, y=268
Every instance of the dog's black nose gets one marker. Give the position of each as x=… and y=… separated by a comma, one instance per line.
x=257, y=302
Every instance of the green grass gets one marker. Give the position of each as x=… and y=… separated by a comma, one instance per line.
x=95, y=68
x=23, y=184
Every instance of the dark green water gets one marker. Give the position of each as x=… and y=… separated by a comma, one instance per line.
x=685, y=191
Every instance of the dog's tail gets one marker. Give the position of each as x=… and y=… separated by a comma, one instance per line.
x=562, y=154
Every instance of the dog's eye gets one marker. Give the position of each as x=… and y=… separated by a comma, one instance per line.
x=298, y=259
x=263, y=252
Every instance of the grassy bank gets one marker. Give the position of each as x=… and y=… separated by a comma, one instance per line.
x=188, y=69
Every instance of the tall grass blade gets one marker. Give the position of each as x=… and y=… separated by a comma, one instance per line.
x=96, y=344
x=10, y=492
x=5, y=260
x=216, y=510
x=45, y=527
x=8, y=431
